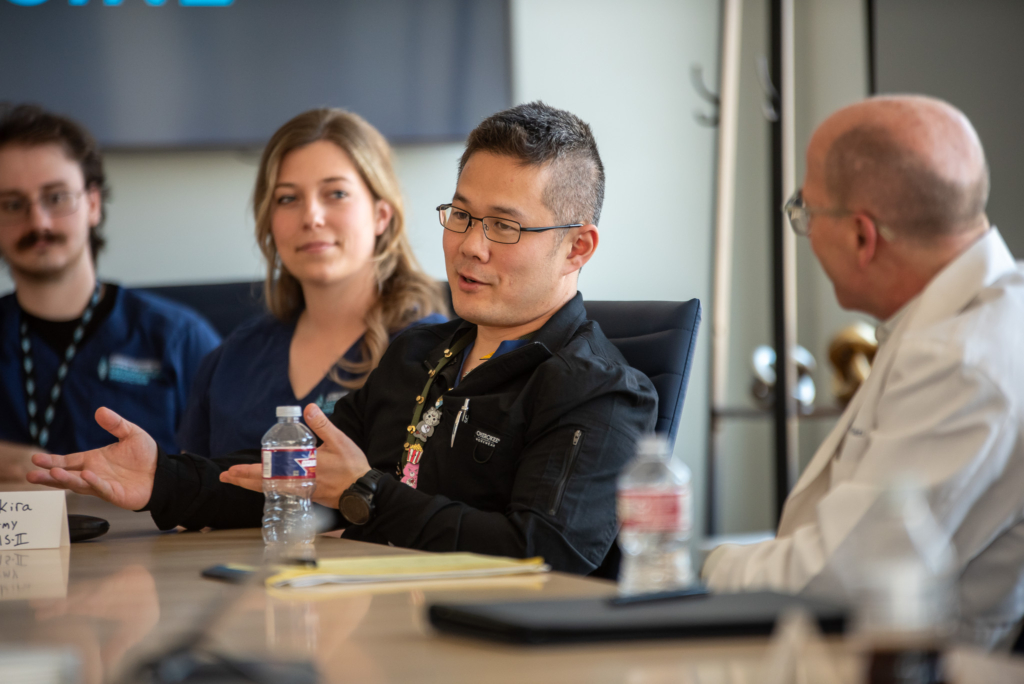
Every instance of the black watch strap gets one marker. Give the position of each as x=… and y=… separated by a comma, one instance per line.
x=356, y=503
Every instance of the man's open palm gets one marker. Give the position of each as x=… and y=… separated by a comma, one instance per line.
x=122, y=473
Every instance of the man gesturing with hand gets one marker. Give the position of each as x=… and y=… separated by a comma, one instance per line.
x=340, y=462
x=501, y=432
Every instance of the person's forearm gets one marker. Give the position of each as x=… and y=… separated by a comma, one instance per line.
x=187, y=491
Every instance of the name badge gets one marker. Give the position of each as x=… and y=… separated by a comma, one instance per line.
x=33, y=520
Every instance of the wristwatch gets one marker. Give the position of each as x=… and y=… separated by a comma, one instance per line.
x=356, y=503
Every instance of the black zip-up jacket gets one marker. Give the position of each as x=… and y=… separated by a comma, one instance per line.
x=531, y=473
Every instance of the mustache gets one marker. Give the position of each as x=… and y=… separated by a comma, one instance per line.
x=34, y=237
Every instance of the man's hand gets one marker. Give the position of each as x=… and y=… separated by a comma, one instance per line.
x=121, y=473
x=339, y=462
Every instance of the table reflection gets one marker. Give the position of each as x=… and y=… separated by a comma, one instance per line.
x=101, y=619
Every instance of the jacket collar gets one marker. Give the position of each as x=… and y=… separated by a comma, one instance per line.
x=548, y=340
x=554, y=334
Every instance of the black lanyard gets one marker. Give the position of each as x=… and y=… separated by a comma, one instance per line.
x=414, y=446
x=42, y=434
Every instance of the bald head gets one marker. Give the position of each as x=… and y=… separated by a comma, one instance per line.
x=914, y=163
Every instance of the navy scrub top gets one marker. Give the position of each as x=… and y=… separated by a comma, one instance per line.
x=240, y=385
x=139, y=362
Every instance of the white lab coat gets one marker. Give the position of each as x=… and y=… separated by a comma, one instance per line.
x=945, y=402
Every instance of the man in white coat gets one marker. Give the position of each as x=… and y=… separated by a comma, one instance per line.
x=894, y=206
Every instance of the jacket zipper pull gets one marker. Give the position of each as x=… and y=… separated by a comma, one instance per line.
x=576, y=437
x=461, y=417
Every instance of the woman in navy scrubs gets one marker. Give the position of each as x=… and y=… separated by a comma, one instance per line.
x=341, y=283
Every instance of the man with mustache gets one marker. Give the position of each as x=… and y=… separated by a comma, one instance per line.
x=69, y=343
x=502, y=432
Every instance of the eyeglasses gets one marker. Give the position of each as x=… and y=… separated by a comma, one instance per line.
x=496, y=229
x=15, y=208
x=800, y=214
x=800, y=217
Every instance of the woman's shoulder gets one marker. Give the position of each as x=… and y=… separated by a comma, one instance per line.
x=258, y=327
x=257, y=336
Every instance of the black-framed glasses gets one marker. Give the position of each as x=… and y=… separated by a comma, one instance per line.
x=496, y=229
x=15, y=207
x=799, y=214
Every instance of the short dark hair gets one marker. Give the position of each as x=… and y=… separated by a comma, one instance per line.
x=31, y=125
x=868, y=163
x=538, y=134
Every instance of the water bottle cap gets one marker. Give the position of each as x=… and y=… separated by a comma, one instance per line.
x=289, y=411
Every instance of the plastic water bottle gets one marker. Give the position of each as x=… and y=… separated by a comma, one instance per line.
x=289, y=478
x=655, y=513
x=904, y=589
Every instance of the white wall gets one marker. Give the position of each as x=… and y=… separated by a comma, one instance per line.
x=624, y=68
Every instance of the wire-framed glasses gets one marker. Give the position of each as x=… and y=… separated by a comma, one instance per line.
x=496, y=229
x=15, y=207
x=799, y=214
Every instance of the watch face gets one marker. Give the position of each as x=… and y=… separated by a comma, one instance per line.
x=355, y=509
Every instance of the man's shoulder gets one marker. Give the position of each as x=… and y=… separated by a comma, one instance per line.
x=7, y=304
x=983, y=337
x=163, y=316
x=589, y=363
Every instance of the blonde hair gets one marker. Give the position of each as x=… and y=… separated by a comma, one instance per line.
x=405, y=292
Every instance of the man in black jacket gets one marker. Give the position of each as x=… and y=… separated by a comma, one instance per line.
x=500, y=433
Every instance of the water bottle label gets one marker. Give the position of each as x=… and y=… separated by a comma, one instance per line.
x=654, y=510
x=283, y=464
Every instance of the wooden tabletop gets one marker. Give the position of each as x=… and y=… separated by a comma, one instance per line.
x=133, y=593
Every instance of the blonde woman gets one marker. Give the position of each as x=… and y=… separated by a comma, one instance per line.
x=341, y=283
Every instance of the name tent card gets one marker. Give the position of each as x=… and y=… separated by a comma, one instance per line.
x=33, y=520
x=38, y=574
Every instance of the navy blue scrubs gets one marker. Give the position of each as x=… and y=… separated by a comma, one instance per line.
x=239, y=386
x=139, y=362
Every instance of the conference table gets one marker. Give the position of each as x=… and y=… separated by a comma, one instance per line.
x=132, y=595
x=136, y=592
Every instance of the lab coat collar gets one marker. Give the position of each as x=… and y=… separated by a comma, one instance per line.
x=956, y=285
x=962, y=279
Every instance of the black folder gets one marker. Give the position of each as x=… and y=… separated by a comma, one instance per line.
x=598, y=619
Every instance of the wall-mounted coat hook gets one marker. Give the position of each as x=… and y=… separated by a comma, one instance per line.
x=770, y=103
x=697, y=79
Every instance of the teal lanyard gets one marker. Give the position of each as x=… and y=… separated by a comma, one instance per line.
x=40, y=419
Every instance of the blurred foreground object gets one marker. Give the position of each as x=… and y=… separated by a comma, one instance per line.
x=851, y=353
x=798, y=654
x=654, y=507
x=763, y=386
x=903, y=589
x=39, y=666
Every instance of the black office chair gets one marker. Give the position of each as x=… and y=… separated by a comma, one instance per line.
x=224, y=305
x=658, y=339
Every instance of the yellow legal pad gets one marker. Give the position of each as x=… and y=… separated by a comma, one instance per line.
x=411, y=568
